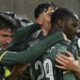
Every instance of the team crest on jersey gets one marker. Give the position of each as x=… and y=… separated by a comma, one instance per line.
x=49, y=50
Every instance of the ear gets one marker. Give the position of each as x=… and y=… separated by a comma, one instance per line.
x=60, y=23
x=39, y=20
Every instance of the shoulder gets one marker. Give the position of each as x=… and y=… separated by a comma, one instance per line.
x=57, y=48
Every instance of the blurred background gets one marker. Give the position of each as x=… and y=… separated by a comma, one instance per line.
x=26, y=8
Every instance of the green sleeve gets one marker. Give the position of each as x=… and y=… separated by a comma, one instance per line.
x=61, y=48
x=32, y=53
x=57, y=48
x=25, y=32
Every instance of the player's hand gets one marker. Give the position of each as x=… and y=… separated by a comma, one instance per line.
x=66, y=62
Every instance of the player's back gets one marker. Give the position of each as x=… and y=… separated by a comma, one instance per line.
x=43, y=68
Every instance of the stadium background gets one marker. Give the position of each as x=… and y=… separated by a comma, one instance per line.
x=26, y=7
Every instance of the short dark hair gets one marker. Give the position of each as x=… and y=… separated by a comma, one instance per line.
x=6, y=22
x=41, y=7
x=60, y=13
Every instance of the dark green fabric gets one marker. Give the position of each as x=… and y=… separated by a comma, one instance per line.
x=59, y=47
x=50, y=66
x=72, y=48
x=31, y=54
x=69, y=76
x=76, y=44
x=24, y=32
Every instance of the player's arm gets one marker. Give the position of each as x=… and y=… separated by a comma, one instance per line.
x=25, y=32
x=32, y=53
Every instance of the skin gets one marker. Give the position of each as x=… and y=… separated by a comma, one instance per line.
x=66, y=25
x=44, y=20
x=69, y=27
x=5, y=37
x=68, y=63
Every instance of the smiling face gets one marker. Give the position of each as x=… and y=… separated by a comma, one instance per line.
x=5, y=37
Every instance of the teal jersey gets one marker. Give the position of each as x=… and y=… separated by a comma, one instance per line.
x=29, y=55
x=43, y=68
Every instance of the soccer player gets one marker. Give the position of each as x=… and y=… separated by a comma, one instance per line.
x=43, y=68
x=13, y=58
x=7, y=29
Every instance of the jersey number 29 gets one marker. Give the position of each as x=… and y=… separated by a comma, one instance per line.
x=46, y=69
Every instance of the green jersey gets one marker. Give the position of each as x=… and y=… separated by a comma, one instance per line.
x=76, y=42
x=23, y=33
x=32, y=53
x=43, y=68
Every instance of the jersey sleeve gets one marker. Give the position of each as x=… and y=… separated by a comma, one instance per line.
x=61, y=48
x=24, y=32
x=56, y=49
x=32, y=53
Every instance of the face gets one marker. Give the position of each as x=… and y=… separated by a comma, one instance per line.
x=70, y=28
x=45, y=19
x=5, y=37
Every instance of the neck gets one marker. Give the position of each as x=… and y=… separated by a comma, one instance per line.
x=65, y=37
x=55, y=29
x=45, y=32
